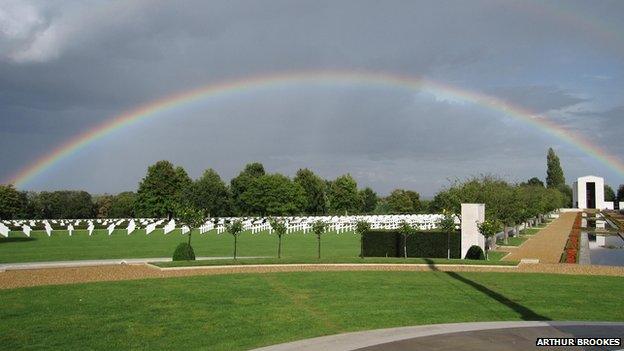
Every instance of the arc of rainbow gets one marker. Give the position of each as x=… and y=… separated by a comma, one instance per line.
x=169, y=103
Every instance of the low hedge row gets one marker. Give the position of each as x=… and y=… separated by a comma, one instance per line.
x=389, y=243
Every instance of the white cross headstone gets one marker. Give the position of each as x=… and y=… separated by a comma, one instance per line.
x=111, y=228
x=70, y=229
x=4, y=230
x=131, y=226
x=26, y=229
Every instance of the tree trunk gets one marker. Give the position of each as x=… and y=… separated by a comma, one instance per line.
x=361, y=246
x=318, y=237
x=235, y=247
x=506, y=234
x=448, y=245
x=279, y=246
x=405, y=245
x=189, y=241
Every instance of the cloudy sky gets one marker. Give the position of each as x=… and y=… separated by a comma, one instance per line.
x=68, y=66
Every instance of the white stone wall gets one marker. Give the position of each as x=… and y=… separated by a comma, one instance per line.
x=471, y=214
x=579, y=192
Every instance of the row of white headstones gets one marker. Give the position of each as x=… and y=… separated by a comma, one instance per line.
x=338, y=224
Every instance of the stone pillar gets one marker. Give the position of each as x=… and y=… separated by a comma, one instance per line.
x=471, y=214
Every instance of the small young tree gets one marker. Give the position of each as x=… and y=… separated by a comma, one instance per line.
x=405, y=229
x=279, y=227
x=447, y=224
x=234, y=228
x=488, y=229
x=319, y=227
x=190, y=216
x=361, y=227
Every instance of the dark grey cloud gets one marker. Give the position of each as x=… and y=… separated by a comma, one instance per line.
x=66, y=66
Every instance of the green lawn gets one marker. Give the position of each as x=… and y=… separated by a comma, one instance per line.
x=241, y=311
x=512, y=241
x=81, y=246
x=495, y=256
x=530, y=231
x=494, y=260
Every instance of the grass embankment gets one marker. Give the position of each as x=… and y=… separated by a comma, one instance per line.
x=368, y=260
x=237, y=312
x=81, y=246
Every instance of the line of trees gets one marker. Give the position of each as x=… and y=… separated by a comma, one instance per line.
x=252, y=193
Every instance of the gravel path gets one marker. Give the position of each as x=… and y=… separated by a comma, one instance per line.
x=546, y=245
x=54, y=276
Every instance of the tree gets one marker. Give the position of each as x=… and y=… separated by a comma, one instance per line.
x=369, y=200
x=103, y=205
x=401, y=201
x=488, y=228
x=273, y=195
x=210, y=194
x=63, y=204
x=239, y=185
x=405, y=229
x=554, y=173
x=10, y=203
x=279, y=227
x=414, y=198
x=319, y=227
x=534, y=182
x=314, y=190
x=343, y=195
x=620, y=193
x=362, y=227
x=122, y=205
x=160, y=190
x=447, y=224
x=234, y=228
x=609, y=194
x=189, y=216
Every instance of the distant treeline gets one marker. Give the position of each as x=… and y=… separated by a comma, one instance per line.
x=257, y=193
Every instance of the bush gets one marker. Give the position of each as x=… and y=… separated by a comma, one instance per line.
x=389, y=243
x=475, y=253
x=184, y=252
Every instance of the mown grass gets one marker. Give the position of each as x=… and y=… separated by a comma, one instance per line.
x=242, y=311
x=81, y=246
x=255, y=261
x=512, y=241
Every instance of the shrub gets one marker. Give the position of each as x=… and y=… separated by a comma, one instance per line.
x=475, y=253
x=184, y=252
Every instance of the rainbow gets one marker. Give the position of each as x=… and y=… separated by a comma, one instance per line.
x=227, y=88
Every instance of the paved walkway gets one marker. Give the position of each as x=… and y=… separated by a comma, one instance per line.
x=512, y=336
x=54, y=276
x=547, y=245
x=102, y=262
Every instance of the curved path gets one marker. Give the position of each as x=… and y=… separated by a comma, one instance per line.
x=54, y=276
x=510, y=336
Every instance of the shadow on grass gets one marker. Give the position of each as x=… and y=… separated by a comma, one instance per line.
x=525, y=313
x=16, y=239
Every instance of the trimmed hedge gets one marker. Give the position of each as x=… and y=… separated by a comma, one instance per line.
x=389, y=243
x=184, y=252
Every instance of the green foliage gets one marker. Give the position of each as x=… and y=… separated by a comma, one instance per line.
x=475, y=253
x=279, y=227
x=189, y=215
x=183, y=252
x=122, y=205
x=160, y=190
x=63, y=204
x=620, y=193
x=431, y=244
x=319, y=227
x=241, y=183
x=273, y=195
x=9, y=202
x=234, y=228
x=403, y=201
x=488, y=229
x=103, y=205
x=210, y=194
x=314, y=191
x=447, y=222
x=554, y=172
x=534, y=182
x=343, y=196
x=609, y=194
x=369, y=200
x=361, y=227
